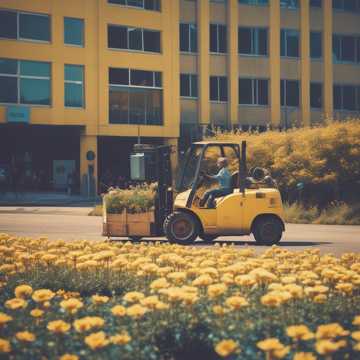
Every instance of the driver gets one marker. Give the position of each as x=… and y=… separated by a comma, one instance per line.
x=224, y=179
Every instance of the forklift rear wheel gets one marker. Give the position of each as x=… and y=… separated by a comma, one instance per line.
x=208, y=238
x=135, y=238
x=268, y=230
x=181, y=228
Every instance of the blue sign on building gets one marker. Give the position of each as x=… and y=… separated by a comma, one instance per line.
x=18, y=114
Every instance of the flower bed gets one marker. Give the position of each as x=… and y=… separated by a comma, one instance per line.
x=95, y=300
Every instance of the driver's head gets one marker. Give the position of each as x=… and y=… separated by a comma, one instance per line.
x=222, y=162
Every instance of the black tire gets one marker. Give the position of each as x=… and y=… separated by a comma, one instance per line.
x=268, y=230
x=208, y=238
x=181, y=228
x=135, y=238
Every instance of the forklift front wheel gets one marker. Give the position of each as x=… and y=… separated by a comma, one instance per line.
x=268, y=230
x=181, y=228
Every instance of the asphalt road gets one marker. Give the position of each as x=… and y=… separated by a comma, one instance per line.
x=73, y=223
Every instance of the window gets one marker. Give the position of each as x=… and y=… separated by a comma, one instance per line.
x=289, y=43
x=254, y=2
x=316, y=3
x=289, y=4
x=135, y=97
x=188, y=85
x=315, y=45
x=143, y=4
x=24, y=82
x=73, y=31
x=123, y=37
x=347, y=97
x=253, y=91
x=188, y=38
x=346, y=5
x=316, y=95
x=218, y=41
x=252, y=41
x=289, y=93
x=24, y=26
x=218, y=88
x=346, y=48
x=74, y=85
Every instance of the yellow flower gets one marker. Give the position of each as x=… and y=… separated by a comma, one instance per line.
x=356, y=335
x=133, y=296
x=88, y=322
x=136, y=311
x=4, y=318
x=219, y=310
x=216, y=290
x=160, y=283
x=357, y=346
x=96, y=340
x=275, y=298
x=5, y=346
x=25, y=336
x=304, y=356
x=69, y=357
x=299, y=332
x=15, y=304
x=58, y=326
x=203, y=280
x=325, y=347
x=356, y=320
x=98, y=300
x=71, y=305
x=236, y=302
x=274, y=347
x=345, y=288
x=42, y=295
x=320, y=298
x=118, y=310
x=150, y=302
x=121, y=339
x=226, y=347
x=330, y=331
x=23, y=291
x=36, y=313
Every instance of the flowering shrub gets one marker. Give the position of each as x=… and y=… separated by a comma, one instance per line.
x=95, y=300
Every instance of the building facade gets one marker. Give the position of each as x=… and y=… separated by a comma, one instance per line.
x=81, y=81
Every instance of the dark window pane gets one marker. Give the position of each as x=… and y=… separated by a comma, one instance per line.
x=184, y=37
x=118, y=105
x=142, y=78
x=223, y=88
x=74, y=95
x=8, y=89
x=358, y=46
x=137, y=3
x=193, y=38
x=34, y=68
x=292, y=93
x=315, y=45
x=74, y=73
x=34, y=27
x=358, y=95
x=213, y=38
x=184, y=85
x=152, y=41
x=153, y=107
x=135, y=39
x=74, y=31
x=262, y=92
x=315, y=3
x=245, y=91
x=349, y=99
x=152, y=5
x=194, y=86
x=222, y=39
x=35, y=91
x=8, y=24
x=316, y=95
x=158, y=79
x=292, y=43
x=348, y=48
x=214, y=90
x=337, y=97
x=244, y=40
x=119, y=76
x=117, y=37
x=350, y=5
x=137, y=102
x=122, y=2
x=282, y=43
x=262, y=42
x=8, y=66
x=282, y=92
x=336, y=48
x=338, y=4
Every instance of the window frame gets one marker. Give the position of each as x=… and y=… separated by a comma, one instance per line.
x=83, y=32
x=356, y=48
x=255, y=3
x=191, y=79
x=356, y=93
x=342, y=9
x=218, y=101
x=189, y=52
x=136, y=7
x=217, y=39
x=78, y=83
x=255, y=30
x=321, y=39
x=286, y=30
x=322, y=95
x=285, y=94
x=255, y=92
x=291, y=8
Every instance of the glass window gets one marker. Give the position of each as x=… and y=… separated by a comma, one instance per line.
x=8, y=89
x=74, y=31
x=34, y=68
x=193, y=37
x=137, y=105
x=118, y=105
x=34, y=91
x=289, y=93
x=152, y=41
x=135, y=39
x=8, y=24
x=348, y=48
x=244, y=40
x=8, y=66
x=252, y=41
x=253, y=91
x=117, y=37
x=315, y=45
x=188, y=85
x=336, y=48
x=188, y=38
x=289, y=43
x=144, y=4
x=290, y=4
x=119, y=76
x=349, y=98
x=34, y=27
x=152, y=5
x=218, y=88
x=245, y=91
x=142, y=78
x=358, y=47
x=262, y=92
x=315, y=3
x=337, y=97
x=74, y=85
x=316, y=95
x=254, y=2
x=218, y=42
x=262, y=41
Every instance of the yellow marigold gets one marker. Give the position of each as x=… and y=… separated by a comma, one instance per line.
x=216, y=290
x=5, y=346
x=330, y=331
x=203, y=280
x=118, y=310
x=150, y=302
x=69, y=357
x=326, y=347
x=299, y=332
x=357, y=346
x=133, y=296
x=304, y=356
x=275, y=298
x=15, y=304
x=58, y=326
x=23, y=291
x=7, y=268
x=219, y=310
x=121, y=339
x=71, y=305
x=226, y=347
x=88, y=322
x=25, y=336
x=177, y=276
x=136, y=311
x=96, y=340
x=356, y=335
x=356, y=320
x=320, y=298
x=36, y=313
x=42, y=295
x=274, y=347
x=245, y=280
x=236, y=302
x=98, y=299
x=345, y=288
x=160, y=283
x=4, y=318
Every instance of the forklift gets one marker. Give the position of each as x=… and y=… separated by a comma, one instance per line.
x=254, y=206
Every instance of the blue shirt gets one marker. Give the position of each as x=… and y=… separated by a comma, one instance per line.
x=224, y=178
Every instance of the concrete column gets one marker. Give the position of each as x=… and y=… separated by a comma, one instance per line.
x=233, y=63
x=327, y=59
x=275, y=113
x=305, y=62
x=88, y=168
x=203, y=24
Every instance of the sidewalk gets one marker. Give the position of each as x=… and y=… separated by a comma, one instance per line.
x=46, y=199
